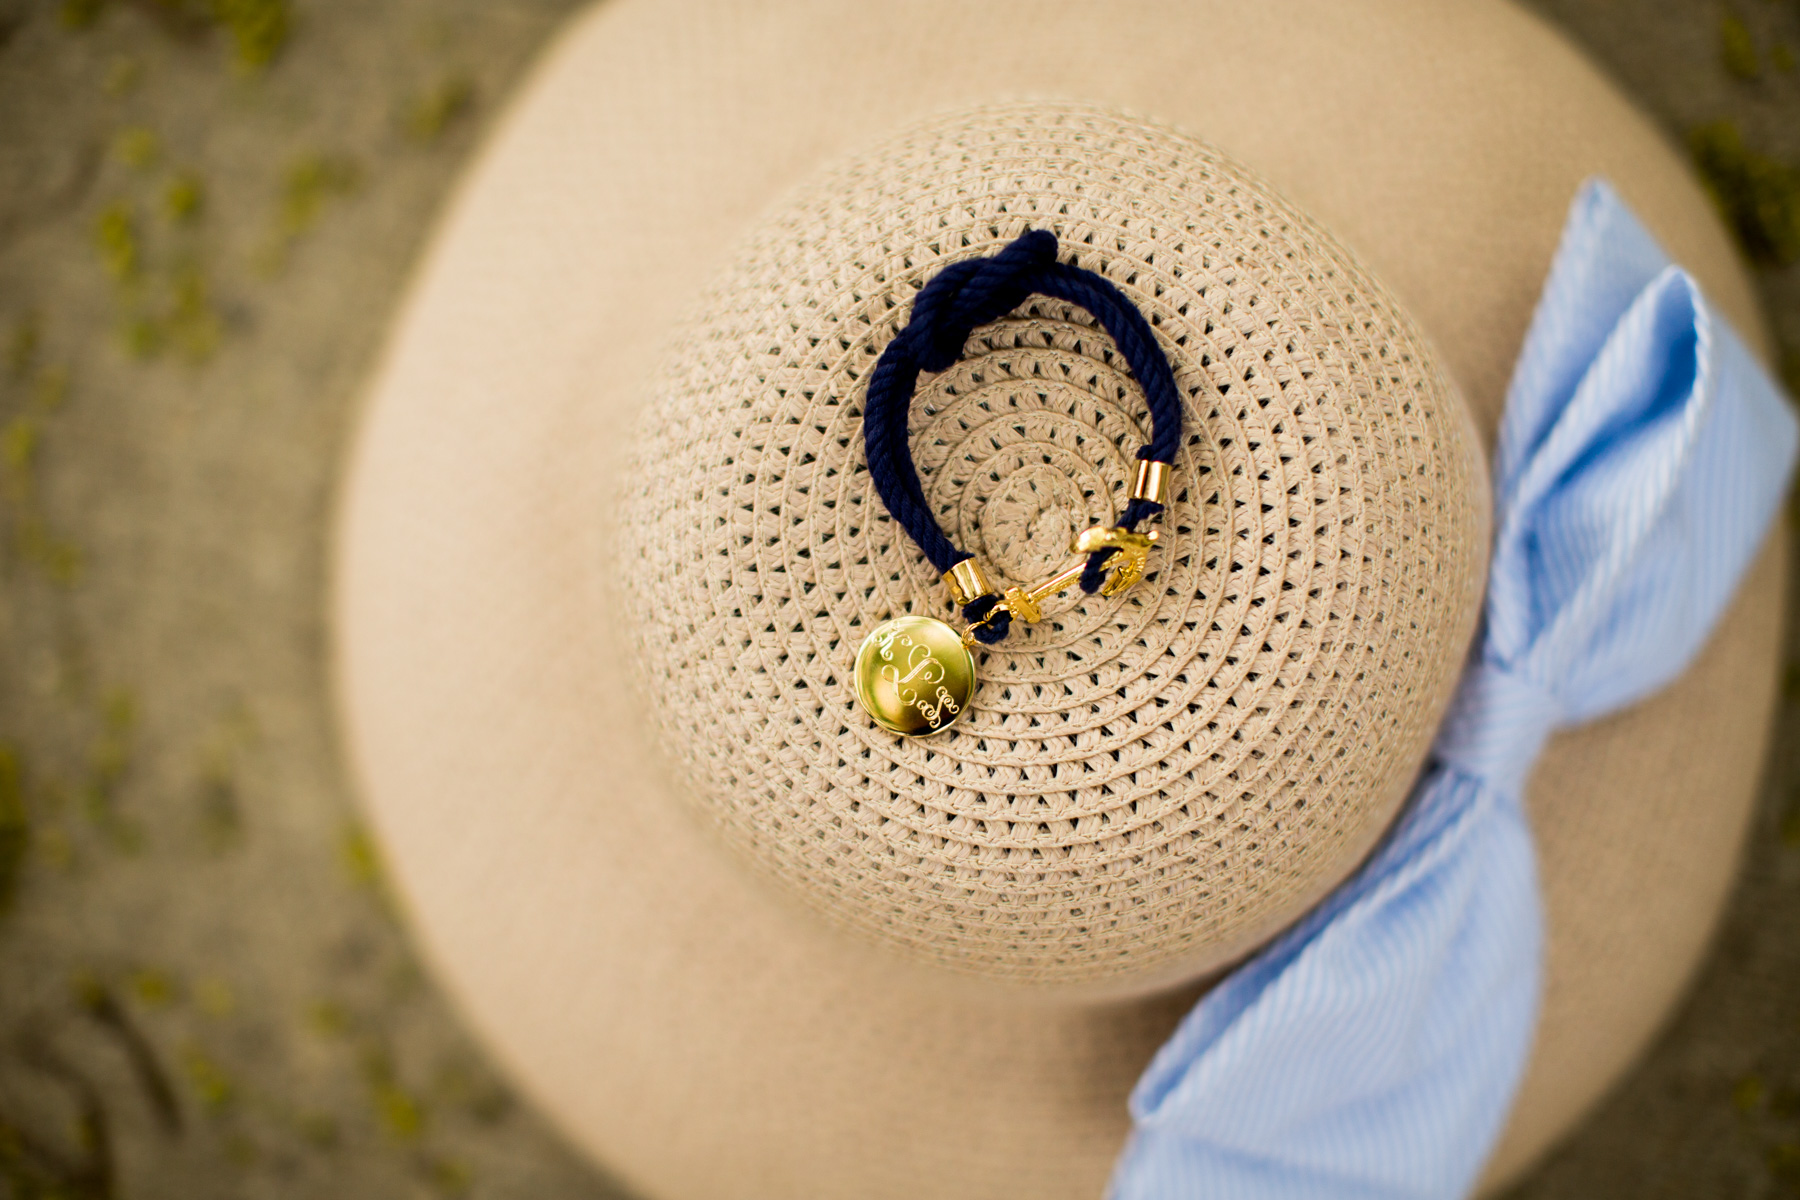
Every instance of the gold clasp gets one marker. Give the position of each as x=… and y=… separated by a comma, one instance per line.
x=1131, y=551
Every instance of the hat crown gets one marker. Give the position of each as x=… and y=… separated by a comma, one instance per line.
x=1148, y=786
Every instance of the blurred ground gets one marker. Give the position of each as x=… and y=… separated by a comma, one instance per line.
x=207, y=210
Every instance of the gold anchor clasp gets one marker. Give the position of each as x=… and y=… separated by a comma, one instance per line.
x=1131, y=551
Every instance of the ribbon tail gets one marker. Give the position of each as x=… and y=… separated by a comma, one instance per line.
x=1374, y=1051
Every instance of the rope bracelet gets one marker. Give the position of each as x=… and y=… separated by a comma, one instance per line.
x=946, y=311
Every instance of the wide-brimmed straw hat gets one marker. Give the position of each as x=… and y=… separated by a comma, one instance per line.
x=608, y=548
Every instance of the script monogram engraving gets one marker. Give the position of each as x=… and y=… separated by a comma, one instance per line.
x=914, y=675
x=922, y=671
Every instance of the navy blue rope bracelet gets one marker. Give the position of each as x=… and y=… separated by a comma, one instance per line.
x=951, y=305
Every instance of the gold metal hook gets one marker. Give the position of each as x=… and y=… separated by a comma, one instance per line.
x=1131, y=552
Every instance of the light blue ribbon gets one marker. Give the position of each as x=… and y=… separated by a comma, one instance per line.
x=1373, y=1050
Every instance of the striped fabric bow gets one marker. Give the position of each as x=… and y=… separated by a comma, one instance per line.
x=1373, y=1050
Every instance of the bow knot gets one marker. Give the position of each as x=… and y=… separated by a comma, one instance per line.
x=1496, y=726
x=1373, y=1050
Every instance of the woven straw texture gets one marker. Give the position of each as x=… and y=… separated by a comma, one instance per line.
x=1144, y=781
x=684, y=1021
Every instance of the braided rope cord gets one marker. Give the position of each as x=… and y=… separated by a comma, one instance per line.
x=956, y=301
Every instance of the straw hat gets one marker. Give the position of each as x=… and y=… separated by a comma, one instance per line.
x=607, y=548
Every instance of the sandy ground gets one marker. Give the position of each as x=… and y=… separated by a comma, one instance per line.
x=207, y=212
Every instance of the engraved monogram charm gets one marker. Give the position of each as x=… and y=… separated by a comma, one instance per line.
x=914, y=675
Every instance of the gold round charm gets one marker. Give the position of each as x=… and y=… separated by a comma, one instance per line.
x=914, y=675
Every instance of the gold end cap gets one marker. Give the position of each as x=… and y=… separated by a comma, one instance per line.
x=1152, y=482
x=966, y=581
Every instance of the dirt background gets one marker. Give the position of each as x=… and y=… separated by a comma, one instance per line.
x=207, y=211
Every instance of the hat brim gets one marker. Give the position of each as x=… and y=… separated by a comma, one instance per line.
x=679, y=1020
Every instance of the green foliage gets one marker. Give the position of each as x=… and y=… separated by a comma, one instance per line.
x=1737, y=49
x=439, y=107
x=79, y=14
x=311, y=182
x=150, y=219
x=177, y=313
x=152, y=988
x=142, y=336
x=210, y=1084
x=115, y=236
x=1784, y=1162
x=399, y=1112
x=193, y=326
x=183, y=319
x=21, y=440
x=1758, y=194
x=259, y=28
x=1747, y=1094
x=137, y=147
x=22, y=347
x=357, y=853
x=462, y=1085
x=19, y=443
x=183, y=198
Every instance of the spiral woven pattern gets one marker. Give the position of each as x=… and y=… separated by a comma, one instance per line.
x=1144, y=783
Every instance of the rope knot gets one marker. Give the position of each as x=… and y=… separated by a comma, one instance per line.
x=971, y=293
